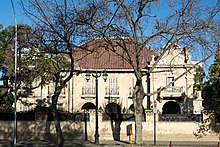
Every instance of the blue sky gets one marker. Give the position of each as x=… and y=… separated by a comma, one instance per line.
x=7, y=18
x=7, y=15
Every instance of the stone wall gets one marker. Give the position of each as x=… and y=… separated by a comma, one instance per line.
x=172, y=131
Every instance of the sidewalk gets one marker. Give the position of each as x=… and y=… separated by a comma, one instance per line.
x=105, y=143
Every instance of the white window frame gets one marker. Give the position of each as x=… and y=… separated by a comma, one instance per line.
x=169, y=80
x=113, y=86
x=89, y=87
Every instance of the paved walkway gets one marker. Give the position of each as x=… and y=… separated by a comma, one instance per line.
x=106, y=143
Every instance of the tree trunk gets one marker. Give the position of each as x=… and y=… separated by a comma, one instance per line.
x=60, y=139
x=116, y=129
x=138, y=127
x=138, y=107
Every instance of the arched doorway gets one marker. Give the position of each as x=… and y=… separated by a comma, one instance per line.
x=171, y=107
x=113, y=110
x=88, y=106
x=131, y=109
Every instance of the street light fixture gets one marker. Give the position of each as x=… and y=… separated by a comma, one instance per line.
x=96, y=75
x=88, y=76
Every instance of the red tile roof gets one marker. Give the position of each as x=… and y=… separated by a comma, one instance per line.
x=100, y=55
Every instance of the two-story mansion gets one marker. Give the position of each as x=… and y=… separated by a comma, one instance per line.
x=80, y=93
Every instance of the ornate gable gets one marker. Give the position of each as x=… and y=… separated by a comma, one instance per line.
x=175, y=56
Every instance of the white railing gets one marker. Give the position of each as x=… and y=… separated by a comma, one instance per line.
x=112, y=91
x=88, y=91
x=174, y=90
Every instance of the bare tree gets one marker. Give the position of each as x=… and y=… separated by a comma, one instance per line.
x=136, y=25
x=56, y=38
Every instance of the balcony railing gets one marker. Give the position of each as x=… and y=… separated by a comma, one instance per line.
x=112, y=92
x=88, y=92
x=174, y=90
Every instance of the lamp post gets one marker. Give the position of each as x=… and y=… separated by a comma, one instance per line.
x=96, y=75
x=15, y=75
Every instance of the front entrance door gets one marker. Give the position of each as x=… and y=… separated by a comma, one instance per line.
x=171, y=107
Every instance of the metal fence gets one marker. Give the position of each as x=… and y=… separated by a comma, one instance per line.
x=121, y=117
x=180, y=117
x=30, y=116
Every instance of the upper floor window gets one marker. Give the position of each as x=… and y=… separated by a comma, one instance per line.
x=132, y=87
x=113, y=86
x=172, y=88
x=51, y=89
x=89, y=88
x=170, y=80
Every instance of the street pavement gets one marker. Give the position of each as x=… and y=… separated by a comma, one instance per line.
x=106, y=143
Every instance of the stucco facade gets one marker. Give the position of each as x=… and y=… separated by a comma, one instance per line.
x=179, y=97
